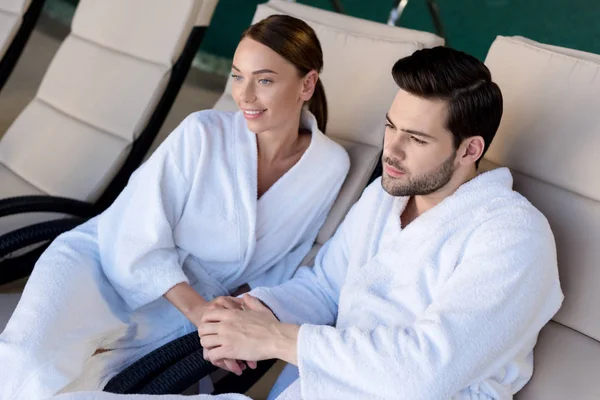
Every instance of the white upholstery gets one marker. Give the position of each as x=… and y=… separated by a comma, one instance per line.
x=358, y=59
x=14, y=6
x=550, y=138
x=97, y=95
x=11, y=16
x=156, y=30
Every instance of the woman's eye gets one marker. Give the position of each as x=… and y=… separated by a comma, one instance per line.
x=236, y=77
x=264, y=81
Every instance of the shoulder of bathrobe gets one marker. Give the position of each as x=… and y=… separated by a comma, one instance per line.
x=329, y=155
x=373, y=201
x=189, y=142
x=512, y=212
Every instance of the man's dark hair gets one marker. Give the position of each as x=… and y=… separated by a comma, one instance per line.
x=474, y=101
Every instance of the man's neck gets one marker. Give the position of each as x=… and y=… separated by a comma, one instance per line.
x=418, y=205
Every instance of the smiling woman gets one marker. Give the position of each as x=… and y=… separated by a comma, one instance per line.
x=228, y=199
x=293, y=53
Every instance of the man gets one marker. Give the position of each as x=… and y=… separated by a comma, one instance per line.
x=438, y=281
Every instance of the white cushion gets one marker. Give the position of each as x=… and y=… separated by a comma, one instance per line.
x=18, y=7
x=161, y=27
x=351, y=25
x=81, y=156
x=363, y=159
x=14, y=185
x=549, y=98
x=98, y=94
x=550, y=137
x=108, y=90
x=565, y=366
x=9, y=25
x=11, y=17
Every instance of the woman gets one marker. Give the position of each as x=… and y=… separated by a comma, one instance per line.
x=227, y=199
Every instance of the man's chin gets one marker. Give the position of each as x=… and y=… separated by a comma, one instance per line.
x=392, y=189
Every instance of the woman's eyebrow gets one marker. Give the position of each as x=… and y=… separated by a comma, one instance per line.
x=260, y=71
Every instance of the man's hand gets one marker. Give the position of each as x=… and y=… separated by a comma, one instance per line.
x=220, y=303
x=251, y=334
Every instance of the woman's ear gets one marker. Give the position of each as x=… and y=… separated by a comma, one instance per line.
x=309, y=83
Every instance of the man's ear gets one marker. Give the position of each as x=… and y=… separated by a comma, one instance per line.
x=309, y=83
x=471, y=150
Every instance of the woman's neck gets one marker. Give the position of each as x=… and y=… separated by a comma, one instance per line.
x=278, y=144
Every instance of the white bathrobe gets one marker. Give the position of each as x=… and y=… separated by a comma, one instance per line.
x=189, y=214
x=447, y=308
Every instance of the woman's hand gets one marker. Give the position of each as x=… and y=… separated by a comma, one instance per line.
x=252, y=334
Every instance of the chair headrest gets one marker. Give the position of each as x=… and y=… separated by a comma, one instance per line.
x=550, y=128
x=358, y=59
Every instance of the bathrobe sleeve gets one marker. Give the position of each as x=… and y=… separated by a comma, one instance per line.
x=135, y=234
x=312, y=295
x=502, y=292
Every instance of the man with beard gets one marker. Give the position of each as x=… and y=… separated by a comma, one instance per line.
x=438, y=281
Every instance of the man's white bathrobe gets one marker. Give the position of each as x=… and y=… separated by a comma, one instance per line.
x=447, y=308
x=189, y=214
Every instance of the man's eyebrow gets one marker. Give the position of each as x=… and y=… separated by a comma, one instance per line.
x=417, y=133
x=412, y=132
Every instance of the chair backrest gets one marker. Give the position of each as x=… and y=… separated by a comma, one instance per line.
x=358, y=59
x=17, y=20
x=550, y=138
x=100, y=93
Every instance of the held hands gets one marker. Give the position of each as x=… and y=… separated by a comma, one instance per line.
x=220, y=303
x=249, y=332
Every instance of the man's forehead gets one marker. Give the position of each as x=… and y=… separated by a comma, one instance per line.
x=409, y=111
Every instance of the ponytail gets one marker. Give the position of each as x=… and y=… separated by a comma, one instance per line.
x=318, y=106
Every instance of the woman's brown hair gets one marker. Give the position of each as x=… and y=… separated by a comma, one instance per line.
x=297, y=42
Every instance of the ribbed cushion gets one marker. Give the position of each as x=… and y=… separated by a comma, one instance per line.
x=551, y=98
x=550, y=137
x=80, y=156
x=352, y=25
x=363, y=159
x=161, y=27
x=125, y=90
x=98, y=94
x=9, y=25
x=565, y=365
x=11, y=16
x=14, y=185
x=18, y=7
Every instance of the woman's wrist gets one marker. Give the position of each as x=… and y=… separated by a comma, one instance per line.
x=187, y=301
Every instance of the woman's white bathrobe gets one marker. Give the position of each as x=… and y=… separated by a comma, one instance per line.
x=448, y=308
x=189, y=214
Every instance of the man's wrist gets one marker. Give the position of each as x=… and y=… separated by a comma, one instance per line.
x=285, y=343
